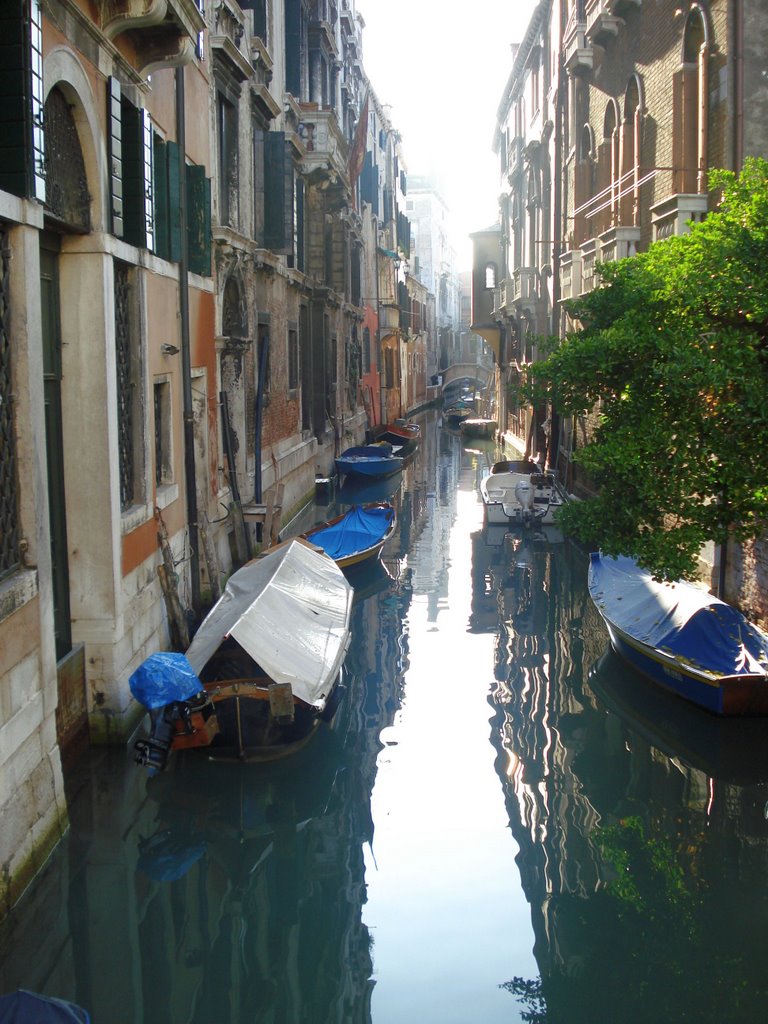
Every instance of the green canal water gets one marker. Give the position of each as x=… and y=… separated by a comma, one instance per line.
x=504, y=823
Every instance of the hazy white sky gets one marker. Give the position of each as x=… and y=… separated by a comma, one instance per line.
x=442, y=67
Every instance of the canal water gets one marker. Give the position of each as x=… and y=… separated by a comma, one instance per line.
x=504, y=823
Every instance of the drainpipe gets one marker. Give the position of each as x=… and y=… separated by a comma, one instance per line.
x=186, y=362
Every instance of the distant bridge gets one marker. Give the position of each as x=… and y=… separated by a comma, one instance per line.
x=464, y=375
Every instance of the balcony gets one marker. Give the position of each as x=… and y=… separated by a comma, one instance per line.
x=325, y=143
x=619, y=242
x=164, y=33
x=514, y=156
x=524, y=286
x=590, y=253
x=579, y=54
x=672, y=215
x=226, y=35
x=602, y=24
x=570, y=275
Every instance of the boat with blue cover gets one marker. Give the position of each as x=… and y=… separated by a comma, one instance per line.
x=681, y=637
x=356, y=536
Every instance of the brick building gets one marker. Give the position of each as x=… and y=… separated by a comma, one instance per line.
x=613, y=114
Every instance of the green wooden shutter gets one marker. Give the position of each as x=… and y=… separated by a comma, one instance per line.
x=198, y=220
x=293, y=47
x=174, y=203
x=160, y=181
x=115, y=154
x=134, y=226
x=258, y=186
x=22, y=146
x=278, y=194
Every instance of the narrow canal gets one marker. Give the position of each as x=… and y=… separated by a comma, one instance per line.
x=503, y=824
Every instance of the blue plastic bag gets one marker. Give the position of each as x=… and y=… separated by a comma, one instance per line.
x=162, y=678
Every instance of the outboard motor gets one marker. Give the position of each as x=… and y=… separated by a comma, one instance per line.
x=165, y=723
x=525, y=495
x=166, y=684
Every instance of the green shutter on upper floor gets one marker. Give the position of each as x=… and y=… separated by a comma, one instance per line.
x=22, y=157
x=278, y=194
x=174, y=203
x=199, y=220
x=160, y=182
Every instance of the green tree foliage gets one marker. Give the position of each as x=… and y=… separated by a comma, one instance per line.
x=672, y=354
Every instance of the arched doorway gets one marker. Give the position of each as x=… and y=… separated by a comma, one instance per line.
x=67, y=210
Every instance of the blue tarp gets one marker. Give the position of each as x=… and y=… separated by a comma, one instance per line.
x=163, y=678
x=22, y=1007
x=360, y=529
x=678, y=618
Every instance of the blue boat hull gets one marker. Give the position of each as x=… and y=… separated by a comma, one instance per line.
x=682, y=638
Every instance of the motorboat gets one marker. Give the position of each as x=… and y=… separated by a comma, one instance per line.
x=520, y=493
x=681, y=637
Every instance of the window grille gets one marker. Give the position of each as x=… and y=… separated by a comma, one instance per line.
x=125, y=424
x=9, y=520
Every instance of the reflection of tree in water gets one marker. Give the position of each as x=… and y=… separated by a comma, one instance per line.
x=643, y=873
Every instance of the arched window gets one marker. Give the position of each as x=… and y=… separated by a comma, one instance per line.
x=67, y=196
x=630, y=154
x=606, y=209
x=690, y=106
x=490, y=275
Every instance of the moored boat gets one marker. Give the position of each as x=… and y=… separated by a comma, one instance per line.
x=358, y=535
x=369, y=460
x=404, y=438
x=475, y=426
x=262, y=670
x=519, y=493
x=683, y=638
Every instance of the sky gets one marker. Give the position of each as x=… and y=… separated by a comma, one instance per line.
x=442, y=67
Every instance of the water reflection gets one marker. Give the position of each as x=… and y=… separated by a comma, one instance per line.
x=643, y=842
x=602, y=859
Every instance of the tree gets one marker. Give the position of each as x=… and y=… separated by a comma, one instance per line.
x=672, y=359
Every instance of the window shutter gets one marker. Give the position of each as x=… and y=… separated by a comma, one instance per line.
x=258, y=186
x=22, y=145
x=278, y=194
x=115, y=155
x=293, y=46
x=134, y=228
x=160, y=180
x=199, y=220
x=300, y=257
x=174, y=203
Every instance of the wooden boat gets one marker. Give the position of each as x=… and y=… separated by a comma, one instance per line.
x=518, y=492
x=682, y=638
x=369, y=460
x=454, y=414
x=404, y=438
x=356, y=536
x=261, y=672
x=475, y=426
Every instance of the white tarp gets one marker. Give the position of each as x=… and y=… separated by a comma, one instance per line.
x=290, y=610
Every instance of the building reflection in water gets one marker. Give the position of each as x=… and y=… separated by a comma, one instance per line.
x=640, y=821
x=226, y=892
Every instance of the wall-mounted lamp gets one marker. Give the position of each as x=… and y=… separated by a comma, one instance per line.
x=169, y=350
